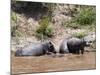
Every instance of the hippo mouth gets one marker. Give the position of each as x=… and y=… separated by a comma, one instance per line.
x=89, y=43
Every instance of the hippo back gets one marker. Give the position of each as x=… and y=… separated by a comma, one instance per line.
x=34, y=49
x=75, y=44
x=64, y=47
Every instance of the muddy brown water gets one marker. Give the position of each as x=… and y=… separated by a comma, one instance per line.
x=51, y=63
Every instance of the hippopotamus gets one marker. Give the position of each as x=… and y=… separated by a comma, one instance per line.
x=64, y=47
x=36, y=49
x=90, y=39
x=72, y=45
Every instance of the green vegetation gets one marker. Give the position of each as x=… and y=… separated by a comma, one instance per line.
x=18, y=33
x=15, y=32
x=49, y=31
x=80, y=34
x=86, y=16
x=82, y=17
x=44, y=30
x=14, y=26
x=13, y=17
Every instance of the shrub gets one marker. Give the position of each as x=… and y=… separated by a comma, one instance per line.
x=44, y=30
x=15, y=32
x=49, y=31
x=80, y=34
x=14, y=21
x=43, y=25
x=18, y=33
x=86, y=16
x=14, y=17
x=72, y=24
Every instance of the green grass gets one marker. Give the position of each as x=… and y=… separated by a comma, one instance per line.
x=80, y=34
x=85, y=17
x=44, y=30
x=14, y=17
x=14, y=26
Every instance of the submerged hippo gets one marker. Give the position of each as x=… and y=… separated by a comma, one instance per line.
x=72, y=45
x=36, y=49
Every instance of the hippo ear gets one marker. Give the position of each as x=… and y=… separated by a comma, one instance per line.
x=50, y=44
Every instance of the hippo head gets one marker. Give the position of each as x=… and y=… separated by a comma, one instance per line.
x=50, y=47
x=87, y=42
x=89, y=39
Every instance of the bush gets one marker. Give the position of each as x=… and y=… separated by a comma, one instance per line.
x=86, y=16
x=15, y=32
x=43, y=25
x=14, y=26
x=13, y=17
x=44, y=30
x=80, y=34
x=72, y=24
x=49, y=31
